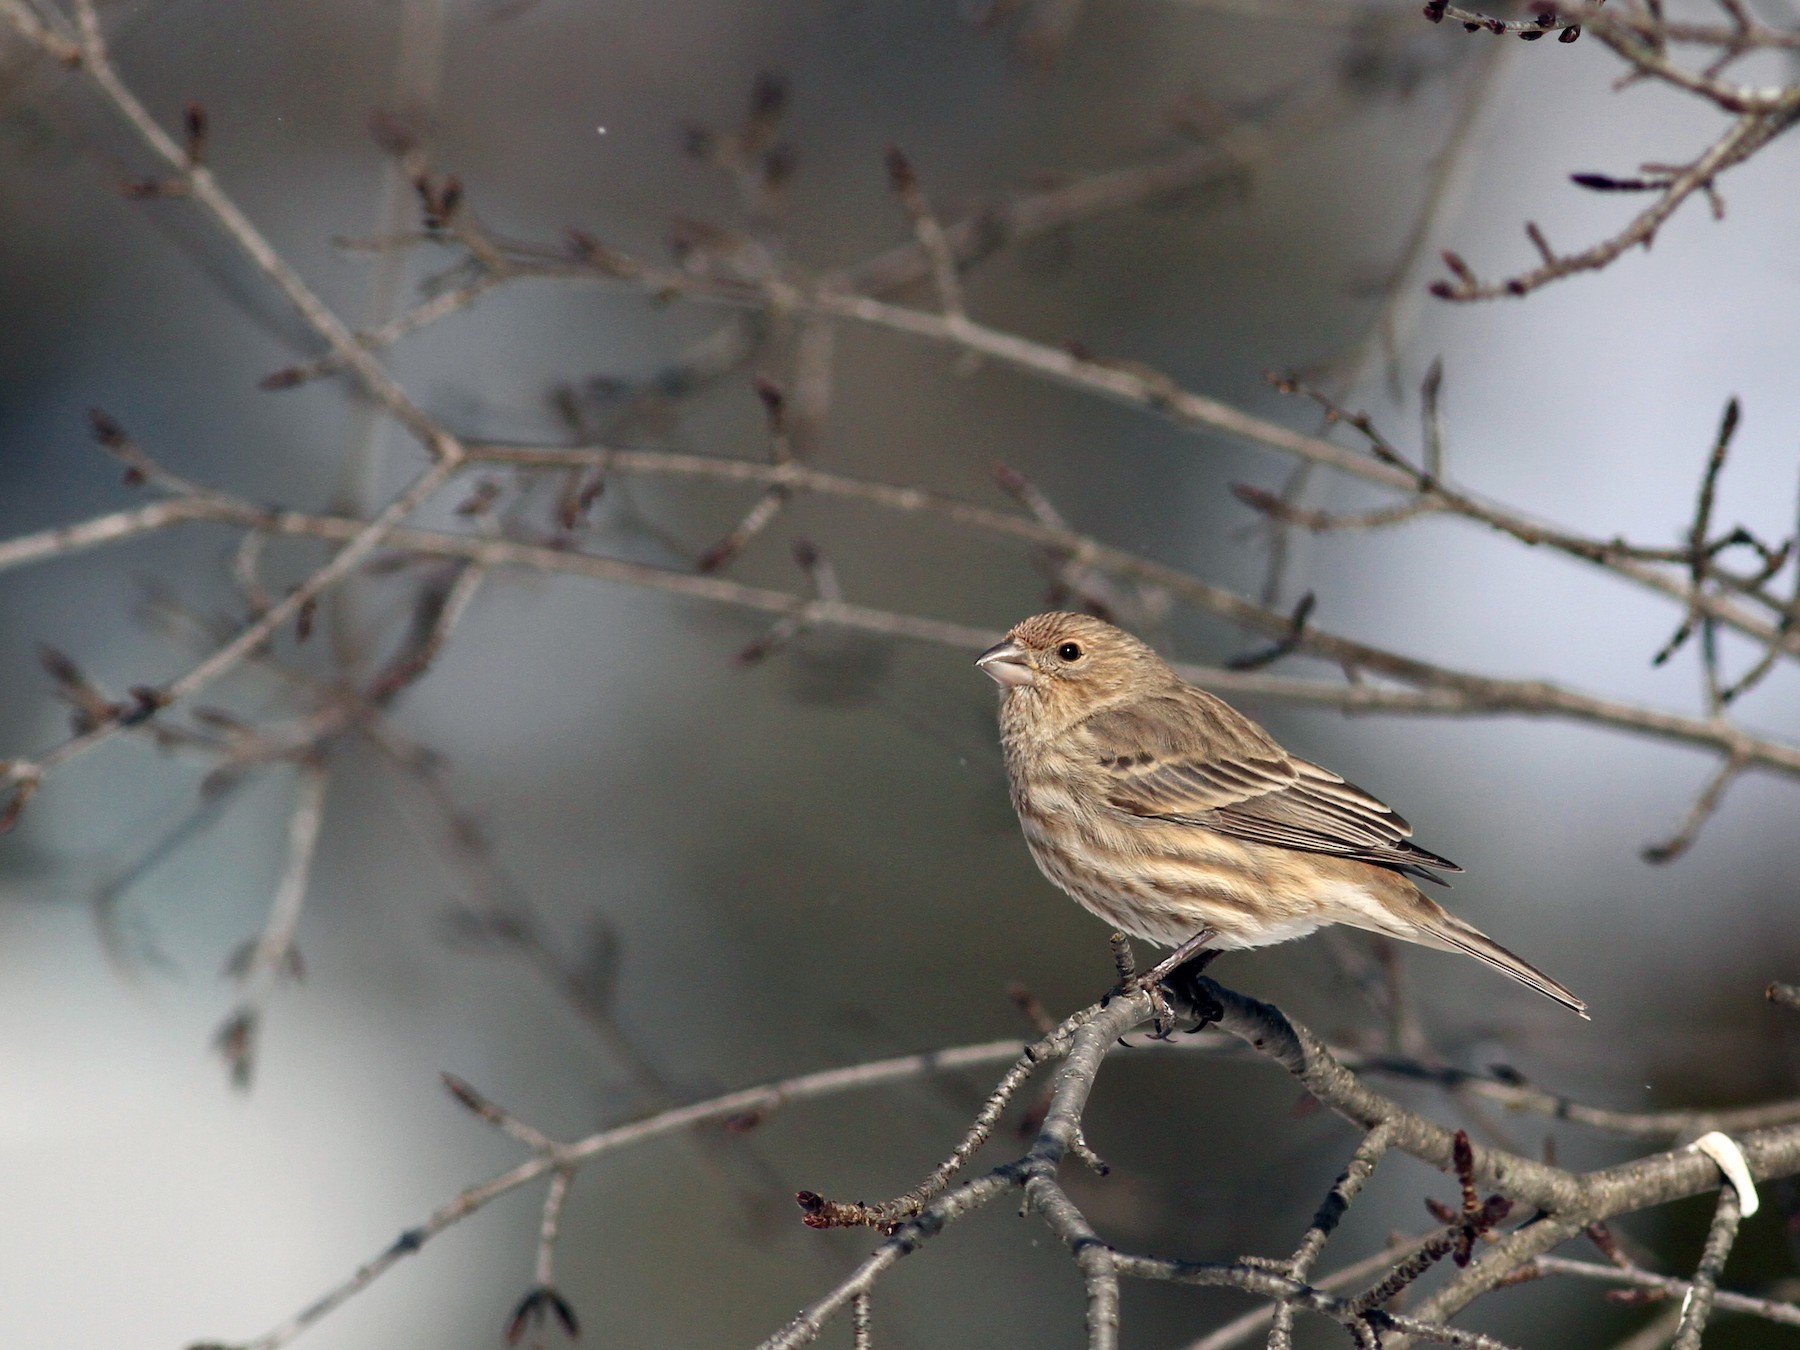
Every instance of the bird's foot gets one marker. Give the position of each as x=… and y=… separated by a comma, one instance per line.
x=1162, y=1012
x=1186, y=984
x=1191, y=990
x=1186, y=962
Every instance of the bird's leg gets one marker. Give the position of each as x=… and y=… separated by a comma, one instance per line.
x=1151, y=980
x=1179, y=957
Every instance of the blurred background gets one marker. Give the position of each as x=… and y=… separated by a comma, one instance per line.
x=762, y=869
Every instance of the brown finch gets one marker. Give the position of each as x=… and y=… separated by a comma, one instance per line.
x=1177, y=819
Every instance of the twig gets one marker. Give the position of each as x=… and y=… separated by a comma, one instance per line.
x=815, y=365
x=1613, y=554
x=1363, y=1324
x=420, y=316
x=763, y=512
x=1705, y=805
x=1241, y=1329
x=761, y=1101
x=359, y=543
x=1700, y=555
x=273, y=954
x=904, y=180
x=1436, y=689
x=497, y=1115
x=1287, y=644
x=203, y=188
x=1778, y=1311
x=1752, y=130
x=417, y=78
x=971, y=1195
x=1772, y=649
x=1474, y=21
x=1279, y=508
x=438, y=607
x=544, y=1270
x=1703, y=1289
x=888, y=1217
x=1338, y=1200
x=1521, y=1096
x=1072, y=578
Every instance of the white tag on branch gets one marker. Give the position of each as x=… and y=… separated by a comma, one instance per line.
x=1724, y=1150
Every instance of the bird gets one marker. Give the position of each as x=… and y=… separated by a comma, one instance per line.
x=1166, y=812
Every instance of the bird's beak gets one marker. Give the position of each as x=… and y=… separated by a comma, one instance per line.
x=1004, y=664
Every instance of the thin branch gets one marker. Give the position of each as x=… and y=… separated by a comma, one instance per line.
x=1700, y=556
x=1279, y=508
x=1241, y=1329
x=887, y=1217
x=1703, y=809
x=1748, y=134
x=41, y=34
x=273, y=955
x=199, y=184
x=1703, y=1289
x=438, y=607
x=815, y=366
x=551, y=1226
x=1436, y=690
x=404, y=129
x=1778, y=1311
x=1772, y=650
x=497, y=1115
x=763, y=511
x=420, y=316
x=1338, y=1200
x=1614, y=554
x=359, y=543
x=1518, y=1095
x=969, y=1196
x=757, y=1101
x=1578, y=1200
x=1016, y=219
x=1362, y=1323
x=904, y=180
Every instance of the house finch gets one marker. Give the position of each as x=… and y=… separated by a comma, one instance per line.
x=1180, y=821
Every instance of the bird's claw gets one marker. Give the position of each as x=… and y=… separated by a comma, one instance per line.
x=1162, y=1013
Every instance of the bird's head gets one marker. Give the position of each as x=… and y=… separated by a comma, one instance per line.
x=1071, y=661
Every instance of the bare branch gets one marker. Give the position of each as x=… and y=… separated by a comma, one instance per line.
x=1703, y=1289
x=1702, y=811
x=1771, y=1310
x=273, y=955
x=199, y=184
x=1338, y=1200
x=904, y=179
x=1435, y=689
x=359, y=543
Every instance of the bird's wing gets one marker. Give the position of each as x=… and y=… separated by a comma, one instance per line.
x=1191, y=759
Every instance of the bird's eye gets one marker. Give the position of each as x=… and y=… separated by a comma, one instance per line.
x=1069, y=651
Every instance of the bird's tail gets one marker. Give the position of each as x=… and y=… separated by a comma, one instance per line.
x=1435, y=926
